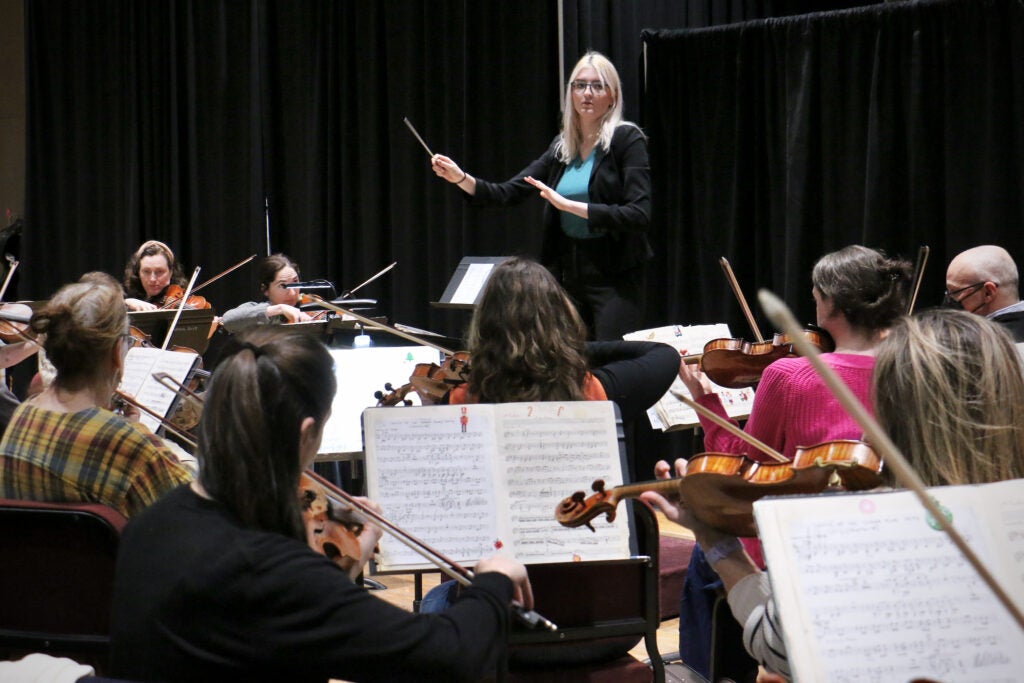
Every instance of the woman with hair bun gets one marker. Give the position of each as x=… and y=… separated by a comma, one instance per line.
x=281, y=302
x=858, y=293
x=65, y=444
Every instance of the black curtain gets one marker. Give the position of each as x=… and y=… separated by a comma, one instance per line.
x=200, y=123
x=776, y=141
x=143, y=122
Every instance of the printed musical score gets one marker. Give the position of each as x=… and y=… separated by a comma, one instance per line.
x=868, y=589
x=470, y=480
x=669, y=413
x=137, y=380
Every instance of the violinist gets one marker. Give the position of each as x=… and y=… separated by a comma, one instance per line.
x=858, y=293
x=527, y=343
x=148, y=274
x=65, y=444
x=217, y=582
x=949, y=390
x=280, y=302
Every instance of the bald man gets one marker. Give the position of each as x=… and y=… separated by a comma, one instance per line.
x=983, y=280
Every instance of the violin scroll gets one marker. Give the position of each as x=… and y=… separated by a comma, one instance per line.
x=579, y=509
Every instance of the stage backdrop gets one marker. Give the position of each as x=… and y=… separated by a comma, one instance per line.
x=775, y=141
x=204, y=122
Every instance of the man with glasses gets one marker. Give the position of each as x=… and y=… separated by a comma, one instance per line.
x=983, y=280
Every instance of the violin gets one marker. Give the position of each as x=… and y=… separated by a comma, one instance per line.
x=430, y=381
x=332, y=526
x=14, y=323
x=174, y=294
x=735, y=363
x=720, y=488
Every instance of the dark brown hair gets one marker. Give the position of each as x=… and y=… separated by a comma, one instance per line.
x=249, y=460
x=133, y=285
x=526, y=338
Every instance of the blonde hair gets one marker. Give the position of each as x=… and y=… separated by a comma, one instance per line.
x=949, y=389
x=571, y=138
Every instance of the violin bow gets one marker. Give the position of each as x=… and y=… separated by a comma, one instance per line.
x=220, y=275
x=731, y=428
x=7, y=280
x=378, y=325
x=922, y=260
x=448, y=566
x=779, y=314
x=349, y=292
x=734, y=283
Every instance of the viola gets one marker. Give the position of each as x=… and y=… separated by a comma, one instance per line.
x=735, y=363
x=720, y=488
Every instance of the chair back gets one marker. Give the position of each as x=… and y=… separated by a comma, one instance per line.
x=57, y=576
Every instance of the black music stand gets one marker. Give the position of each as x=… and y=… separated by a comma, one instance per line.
x=192, y=330
x=467, y=282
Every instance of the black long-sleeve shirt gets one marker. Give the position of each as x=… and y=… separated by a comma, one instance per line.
x=200, y=598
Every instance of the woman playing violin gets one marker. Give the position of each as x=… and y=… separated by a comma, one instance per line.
x=216, y=581
x=148, y=274
x=858, y=293
x=281, y=302
x=65, y=444
x=527, y=343
x=949, y=390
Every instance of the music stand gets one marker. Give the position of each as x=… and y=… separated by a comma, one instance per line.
x=468, y=281
x=192, y=330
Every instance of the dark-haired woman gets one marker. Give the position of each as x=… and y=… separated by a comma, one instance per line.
x=280, y=302
x=527, y=343
x=65, y=444
x=148, y=274
x=858, y=293
x=216, y=581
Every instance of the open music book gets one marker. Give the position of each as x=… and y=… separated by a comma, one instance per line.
x=137, y=380
x=669, y=413
x=869, y=589
x=470, y=480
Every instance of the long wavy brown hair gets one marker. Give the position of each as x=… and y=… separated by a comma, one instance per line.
x=526, y=339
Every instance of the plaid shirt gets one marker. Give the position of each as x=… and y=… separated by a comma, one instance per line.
x=90, y=456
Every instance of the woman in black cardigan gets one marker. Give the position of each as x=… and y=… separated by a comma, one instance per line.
x=596, y=180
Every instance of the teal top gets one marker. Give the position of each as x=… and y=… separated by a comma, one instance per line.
x=573, y=185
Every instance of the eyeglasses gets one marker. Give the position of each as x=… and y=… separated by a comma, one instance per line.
x=950, y=301
x=596, y=87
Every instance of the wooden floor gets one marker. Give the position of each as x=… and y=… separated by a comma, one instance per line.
x=400, y=591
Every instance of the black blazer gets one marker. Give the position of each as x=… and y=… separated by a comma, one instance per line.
x=619, y=207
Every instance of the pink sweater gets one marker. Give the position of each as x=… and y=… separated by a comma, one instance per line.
x=792, y=408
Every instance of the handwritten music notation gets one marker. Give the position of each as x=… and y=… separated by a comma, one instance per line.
x=867, y=589
x=469, y=483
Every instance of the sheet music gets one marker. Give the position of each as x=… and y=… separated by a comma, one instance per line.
x=137, y=381
x=669, y=411
x=544, y=461
x=472, y=282
x=471, y=480
x=868, y=590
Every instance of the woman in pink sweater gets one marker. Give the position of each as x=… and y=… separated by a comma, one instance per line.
x=859, y=293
